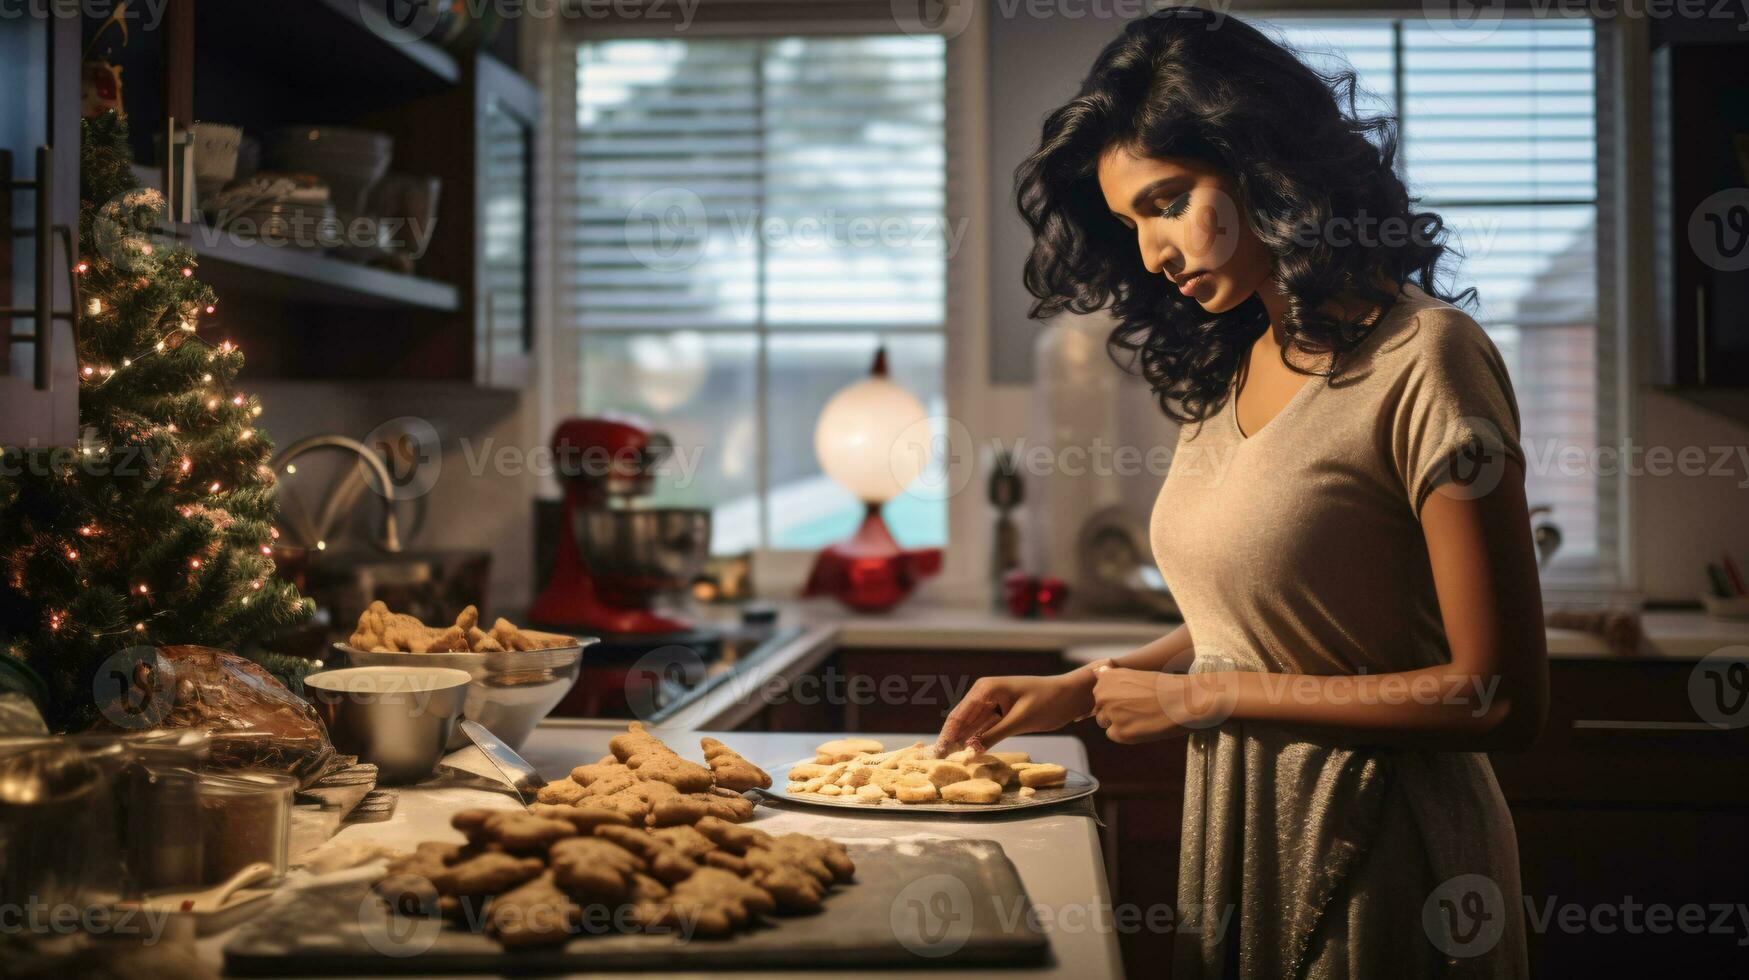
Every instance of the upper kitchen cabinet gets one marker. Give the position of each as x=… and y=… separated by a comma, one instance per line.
x=39, y=208
x=407, y=258
x=1701, y=206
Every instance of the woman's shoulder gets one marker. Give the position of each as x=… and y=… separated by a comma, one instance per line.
x=1422, y=332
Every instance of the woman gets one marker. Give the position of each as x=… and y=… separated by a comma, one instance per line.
x=1344, y=523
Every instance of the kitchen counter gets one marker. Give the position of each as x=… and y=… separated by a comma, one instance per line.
x=1057, y=853
x=826, y=626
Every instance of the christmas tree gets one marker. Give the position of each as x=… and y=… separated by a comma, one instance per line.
x=158, y=527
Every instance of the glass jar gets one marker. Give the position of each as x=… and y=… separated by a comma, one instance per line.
x=245, y=817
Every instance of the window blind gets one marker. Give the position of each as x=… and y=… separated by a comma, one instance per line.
x=1499, y=135
x=747, y=218
x=782, y=183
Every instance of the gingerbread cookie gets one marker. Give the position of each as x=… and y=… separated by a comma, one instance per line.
x=595, y=870
x=729, y=770
x=486, y=874
x=713, y=903
x=535, y=913
x=563, y=791
x=731, y=837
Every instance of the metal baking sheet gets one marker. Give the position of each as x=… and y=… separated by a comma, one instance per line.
x=1075, y=785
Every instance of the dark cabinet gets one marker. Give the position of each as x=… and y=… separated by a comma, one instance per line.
x=39, y=211
x=1700, y=153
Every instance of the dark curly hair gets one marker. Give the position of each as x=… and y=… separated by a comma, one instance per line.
x=1191, y=84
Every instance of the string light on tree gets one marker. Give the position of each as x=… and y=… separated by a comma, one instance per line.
x=127, y=540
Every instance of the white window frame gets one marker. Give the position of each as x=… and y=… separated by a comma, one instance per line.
x=780, y=573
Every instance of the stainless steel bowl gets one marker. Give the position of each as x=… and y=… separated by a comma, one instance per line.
x=399, y=719
x=654, y=549
x=509, y=692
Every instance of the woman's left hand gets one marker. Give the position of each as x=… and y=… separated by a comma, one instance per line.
x=1130, y=705
x=1146, y=706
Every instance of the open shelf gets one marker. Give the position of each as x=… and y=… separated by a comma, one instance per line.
x=309, y=277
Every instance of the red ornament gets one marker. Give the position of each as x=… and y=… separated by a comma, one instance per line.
x=1031, y=596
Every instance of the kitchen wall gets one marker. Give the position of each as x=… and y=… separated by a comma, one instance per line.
x=473, y=503
x=1683, y=521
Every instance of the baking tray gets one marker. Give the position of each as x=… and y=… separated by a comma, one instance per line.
x=914, y=904
x=1075, y=785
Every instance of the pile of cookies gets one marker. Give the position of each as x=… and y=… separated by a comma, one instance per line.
x=863, y=770
x=555, y=872
x=656, y=848
x=650, y=784
x=382, y=631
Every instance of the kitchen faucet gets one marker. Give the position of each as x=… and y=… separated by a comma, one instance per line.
x=391, y=535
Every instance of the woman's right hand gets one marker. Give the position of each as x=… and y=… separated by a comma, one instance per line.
x=998, y=707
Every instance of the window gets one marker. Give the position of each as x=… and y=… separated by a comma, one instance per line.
x=1499, y=136
x=748, y=220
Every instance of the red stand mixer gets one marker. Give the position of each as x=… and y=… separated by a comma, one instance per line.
x=614, y=559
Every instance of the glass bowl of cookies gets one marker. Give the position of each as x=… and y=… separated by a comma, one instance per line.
x=519, y=675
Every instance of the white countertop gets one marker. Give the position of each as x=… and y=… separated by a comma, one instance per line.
x=1056, y=853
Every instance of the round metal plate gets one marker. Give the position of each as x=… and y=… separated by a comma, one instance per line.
x=1075, y=785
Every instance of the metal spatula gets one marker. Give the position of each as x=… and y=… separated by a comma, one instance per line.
x=516, y=770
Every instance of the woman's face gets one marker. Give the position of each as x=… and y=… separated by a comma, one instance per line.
x=1188, y=225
